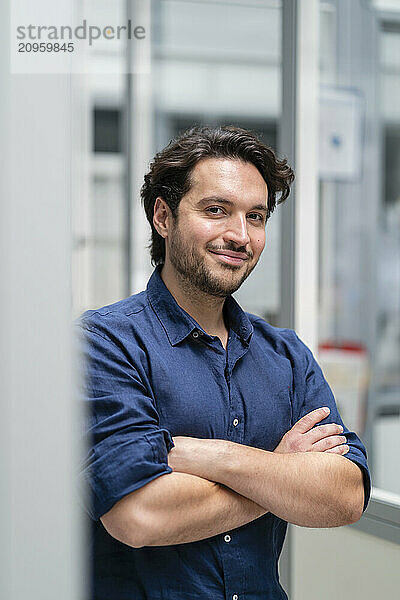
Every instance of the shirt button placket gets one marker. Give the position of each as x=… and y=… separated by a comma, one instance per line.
x=231, y=556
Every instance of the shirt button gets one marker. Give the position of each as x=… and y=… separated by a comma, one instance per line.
x=227, y=538
x=235, y=422
x=235, y=597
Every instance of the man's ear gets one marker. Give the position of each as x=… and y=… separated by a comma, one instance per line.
x=162, y=217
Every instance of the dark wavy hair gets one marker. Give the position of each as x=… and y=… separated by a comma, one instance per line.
x=170, y=171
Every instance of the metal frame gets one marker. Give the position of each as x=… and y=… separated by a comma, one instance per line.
x=298, y=141
x=287, y=146
x=138, y=151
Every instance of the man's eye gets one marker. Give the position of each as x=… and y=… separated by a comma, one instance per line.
x=211, y=209
x=257, y=217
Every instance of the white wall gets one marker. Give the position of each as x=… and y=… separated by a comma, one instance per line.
x=343, y=562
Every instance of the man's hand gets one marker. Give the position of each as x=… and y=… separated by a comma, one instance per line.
x=304, y=437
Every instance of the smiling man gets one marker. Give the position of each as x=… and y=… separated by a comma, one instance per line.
x=215, y=240
x=208, y=430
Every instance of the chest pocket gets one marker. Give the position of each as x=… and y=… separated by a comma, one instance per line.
x=270, y=416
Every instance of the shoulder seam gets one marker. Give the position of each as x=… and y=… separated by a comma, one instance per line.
x=114, y=312
x=136, y=312
x=86, y=328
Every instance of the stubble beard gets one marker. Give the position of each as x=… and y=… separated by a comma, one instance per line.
x=194, y=274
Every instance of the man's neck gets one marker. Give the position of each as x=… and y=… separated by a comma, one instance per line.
x=205, y=309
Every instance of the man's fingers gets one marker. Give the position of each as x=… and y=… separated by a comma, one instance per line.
x=343, y=449
x=320, y=432
x=308, y=421
x=329, y=442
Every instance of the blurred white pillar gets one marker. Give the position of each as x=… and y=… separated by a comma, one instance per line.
x=306, y=167
x=299, y=234
x=298, y=141
x=39, y=551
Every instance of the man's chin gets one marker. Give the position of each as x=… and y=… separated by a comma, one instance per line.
x=222, y=288
x=233, y=268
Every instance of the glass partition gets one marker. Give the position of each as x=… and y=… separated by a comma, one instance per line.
x=386, y=429
x=359, y=274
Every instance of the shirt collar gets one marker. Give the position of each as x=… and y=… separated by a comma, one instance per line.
x=178, y=324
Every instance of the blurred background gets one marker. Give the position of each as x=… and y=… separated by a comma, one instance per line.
x=320, y=83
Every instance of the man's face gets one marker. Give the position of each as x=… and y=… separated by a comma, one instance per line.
x=219, y=233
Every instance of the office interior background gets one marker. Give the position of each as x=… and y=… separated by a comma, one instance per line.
x=320, y=82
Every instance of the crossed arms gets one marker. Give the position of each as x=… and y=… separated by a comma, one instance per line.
x=217, y=485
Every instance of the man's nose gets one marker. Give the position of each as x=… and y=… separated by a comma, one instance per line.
x=237, y=231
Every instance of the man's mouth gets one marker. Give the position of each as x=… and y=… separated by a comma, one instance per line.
x=230, y=257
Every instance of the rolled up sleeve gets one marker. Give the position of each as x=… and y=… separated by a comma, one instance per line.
x=313, y=391
x=125, y=446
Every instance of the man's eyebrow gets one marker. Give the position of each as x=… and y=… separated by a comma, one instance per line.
x=227, y=202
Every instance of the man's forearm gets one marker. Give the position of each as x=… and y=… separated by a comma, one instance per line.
x=178, y=508
x=311, y=489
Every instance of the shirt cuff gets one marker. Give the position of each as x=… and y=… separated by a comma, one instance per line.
x=117, y=469
x=366, y=478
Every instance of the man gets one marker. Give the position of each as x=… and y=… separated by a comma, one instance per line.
x=206, y=427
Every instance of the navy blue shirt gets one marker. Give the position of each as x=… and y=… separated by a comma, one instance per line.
x=151, y=373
